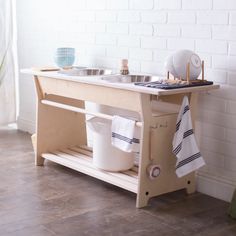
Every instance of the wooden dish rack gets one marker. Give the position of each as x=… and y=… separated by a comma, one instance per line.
x=173, y=80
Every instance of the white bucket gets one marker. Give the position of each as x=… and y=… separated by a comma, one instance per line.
x=105, y=156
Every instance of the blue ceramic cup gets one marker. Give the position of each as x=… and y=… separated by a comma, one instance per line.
x=64, y=57
x=65, y=51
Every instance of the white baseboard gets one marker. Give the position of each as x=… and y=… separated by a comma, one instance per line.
x=26, y=125
x=216, y=187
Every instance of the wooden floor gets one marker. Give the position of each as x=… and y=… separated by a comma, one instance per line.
x=54, y=200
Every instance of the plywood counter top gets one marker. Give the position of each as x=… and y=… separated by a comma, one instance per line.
x=96, y=80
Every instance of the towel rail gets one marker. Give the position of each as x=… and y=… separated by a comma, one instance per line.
x=81, y=110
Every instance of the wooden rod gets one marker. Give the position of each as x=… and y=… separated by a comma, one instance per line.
x=203, y=70
x=80, y=110
x=188, y=73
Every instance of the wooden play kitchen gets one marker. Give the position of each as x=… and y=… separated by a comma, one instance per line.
x=62, y=137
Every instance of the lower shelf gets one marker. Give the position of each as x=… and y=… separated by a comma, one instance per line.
x=80, y=159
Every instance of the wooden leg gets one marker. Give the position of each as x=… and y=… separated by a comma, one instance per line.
x=145, y=154
x=142, y=200
x=191, y=187
x=190, y=190
x=39, y=161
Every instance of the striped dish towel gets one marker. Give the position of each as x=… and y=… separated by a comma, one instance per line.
x=184, y=143
x=125, y=135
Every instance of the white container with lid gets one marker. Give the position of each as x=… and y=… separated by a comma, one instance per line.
x=105, y=156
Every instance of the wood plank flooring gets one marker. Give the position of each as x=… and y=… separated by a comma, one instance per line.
x=54, y=200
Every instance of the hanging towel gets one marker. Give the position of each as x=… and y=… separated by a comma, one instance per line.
x=125, y=135
x=184, y=143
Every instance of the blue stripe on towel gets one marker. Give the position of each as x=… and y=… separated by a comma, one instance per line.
x=177, y=149
x=178, y=123
x=186, y=109
x=135, y=140
x=187, y=133
x=121, y=137
x=189, y=159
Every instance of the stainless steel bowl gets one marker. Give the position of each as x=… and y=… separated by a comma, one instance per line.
x=85, y=72
x=130, y=78
x=136, y=78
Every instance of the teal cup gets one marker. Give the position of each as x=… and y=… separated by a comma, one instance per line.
x=64, y=57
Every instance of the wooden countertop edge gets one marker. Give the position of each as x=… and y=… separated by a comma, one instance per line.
x=95, y=80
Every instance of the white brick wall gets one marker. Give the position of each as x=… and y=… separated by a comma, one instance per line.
x=180, y=43
x=197, y=5
x=182, y=17
x=128, y=40
x=105, y=16
x=211, y=46
x=145, y=32
x=155, y=17
x=212, y=17
x=117, y=5
x=232, y=19
x=167, y=30
x=224, y=32
x=232, y=48
x=96, y=5
x=140, y=54
x=153, y=42
x=226, y=4
x=139, y=4
x=197, y=31
x=128, y=16
x=167, y=4
x=140, y=29
x=117, y=28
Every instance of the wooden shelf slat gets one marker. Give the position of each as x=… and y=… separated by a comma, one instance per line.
x=76, y=154
x=79, y=161
x=83, y=151
x=87, y=161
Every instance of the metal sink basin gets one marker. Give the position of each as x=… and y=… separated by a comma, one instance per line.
x=138, y=78
x=130, y=78
x=77, y=71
